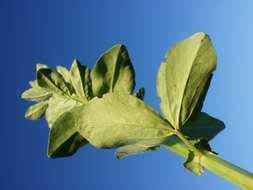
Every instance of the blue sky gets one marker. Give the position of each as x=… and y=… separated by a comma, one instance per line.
x=56, y=32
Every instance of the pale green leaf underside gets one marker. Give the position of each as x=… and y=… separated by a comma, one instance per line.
x=116, y=120
x=183, y=75
x=36, y=111
x=55, y=94
x=113, y=72
x=77, y=76
x=36, y=94
x=64, y=73
x=57, y=105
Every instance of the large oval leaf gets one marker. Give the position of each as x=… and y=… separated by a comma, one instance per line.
x=115, y=120
x=113, y=72
x=183, y=76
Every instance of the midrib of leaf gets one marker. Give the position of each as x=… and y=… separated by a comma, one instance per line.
x=186, y=83
x=138, y=125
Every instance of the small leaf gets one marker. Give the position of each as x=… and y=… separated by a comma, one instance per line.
x=36, y=111
x=140, y=93
x=112, y=121
x=113, y=72
x=79, y=79
x=40, y=66
x=56, y=88
x=52, y=81
x=193, y=163
x=183, y=77
x=202, y=126
x=64, y=73
x=33, y=83
x=36, y=94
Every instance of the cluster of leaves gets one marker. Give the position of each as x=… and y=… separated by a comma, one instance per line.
x=98, y=106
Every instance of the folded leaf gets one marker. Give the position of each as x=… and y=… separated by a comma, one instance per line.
x=183, y=76
x=79, y=79
x=202, y=126
x=113, y=72
x=64, y=73
x=112, y=121
x=52, y=81
x=36, y=111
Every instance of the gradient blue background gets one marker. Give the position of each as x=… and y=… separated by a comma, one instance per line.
x=56, y=32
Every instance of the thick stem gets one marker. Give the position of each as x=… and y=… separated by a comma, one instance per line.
x=187, y=142
x=213, y=163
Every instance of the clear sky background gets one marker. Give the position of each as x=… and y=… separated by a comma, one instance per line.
x=56, y=32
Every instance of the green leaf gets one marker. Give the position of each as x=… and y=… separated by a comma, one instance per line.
x=68, y=141
x=36, y=111
x=40, y=66
x=183, y=77
x=202, y=126
x=57, y=105
x=115, y=120
x=113, y=72
x=52, y=81
x=64, y=73
x=193, y=163
x=36, y=94
x=140, y=93
x=80, y=79
x=57, y=90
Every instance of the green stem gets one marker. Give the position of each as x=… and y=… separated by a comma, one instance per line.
x=187, y=142
x=213, y=163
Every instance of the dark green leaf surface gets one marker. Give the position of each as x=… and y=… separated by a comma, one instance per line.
x=52, y=81
x=116, y=120
x=202, y=126
x=140, y=93
x=183, y=76
x=113, y=72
